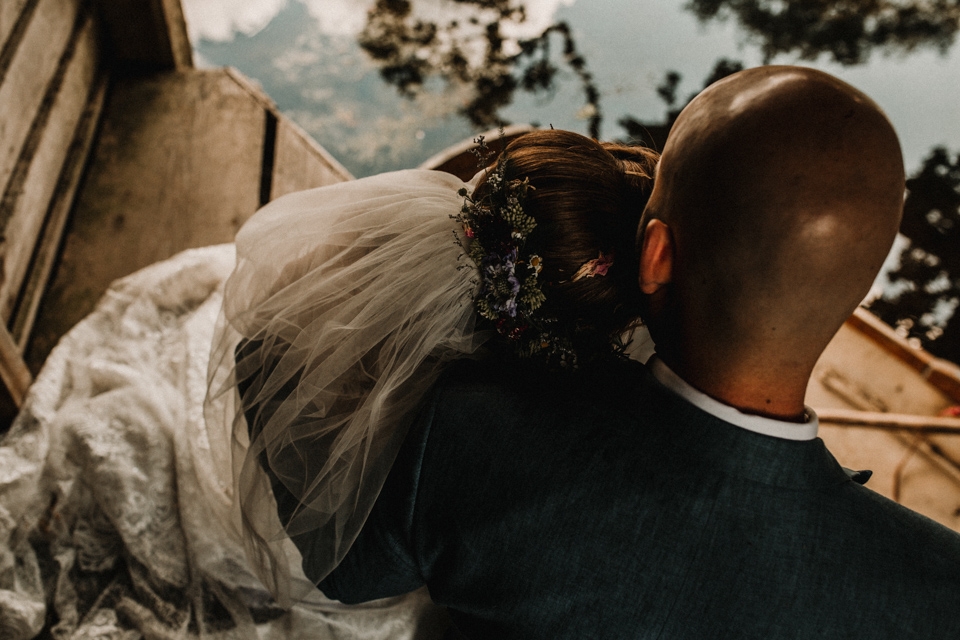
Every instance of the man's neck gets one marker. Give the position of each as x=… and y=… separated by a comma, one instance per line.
x=756, y=390
x=774, y=427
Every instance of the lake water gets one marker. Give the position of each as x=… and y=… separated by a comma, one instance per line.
x=305, y=55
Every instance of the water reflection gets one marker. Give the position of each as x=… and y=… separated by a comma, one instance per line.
x=847, y=31
x=471, y=50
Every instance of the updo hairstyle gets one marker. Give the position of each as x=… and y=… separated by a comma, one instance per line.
x=587, y=199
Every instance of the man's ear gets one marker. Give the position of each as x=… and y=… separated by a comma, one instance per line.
x=656, y=256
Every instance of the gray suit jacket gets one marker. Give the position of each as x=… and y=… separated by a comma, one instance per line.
x=604, y=506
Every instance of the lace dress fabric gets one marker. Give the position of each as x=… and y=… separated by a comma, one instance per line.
x=117, y=517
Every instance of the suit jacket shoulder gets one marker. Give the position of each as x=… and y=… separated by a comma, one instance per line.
x=604, y=506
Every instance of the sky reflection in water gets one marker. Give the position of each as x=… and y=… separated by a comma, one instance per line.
x=305, y=54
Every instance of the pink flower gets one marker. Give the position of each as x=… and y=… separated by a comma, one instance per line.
x=596, y=267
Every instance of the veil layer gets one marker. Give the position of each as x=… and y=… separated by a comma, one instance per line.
x=345, y=304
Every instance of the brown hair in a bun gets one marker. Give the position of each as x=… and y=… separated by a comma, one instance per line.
x=587, y=199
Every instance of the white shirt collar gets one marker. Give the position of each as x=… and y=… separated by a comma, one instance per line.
x=758, y=424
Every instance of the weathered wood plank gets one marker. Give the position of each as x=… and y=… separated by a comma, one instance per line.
x=177, y=164
x=942, y=374
x=47, y=249
x=10, y=12
x=13, y=371
x=890, y=421
x=300, y=163
x=31, y=68
x=147, y=35
x=30, y=190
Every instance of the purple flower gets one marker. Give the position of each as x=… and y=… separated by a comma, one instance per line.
x=499, y=277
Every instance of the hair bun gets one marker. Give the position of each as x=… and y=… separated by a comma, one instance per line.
x=587, y=198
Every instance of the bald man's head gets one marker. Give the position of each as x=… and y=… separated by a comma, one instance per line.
x=782, y=188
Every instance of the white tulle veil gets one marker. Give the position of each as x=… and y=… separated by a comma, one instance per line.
x=346, y=303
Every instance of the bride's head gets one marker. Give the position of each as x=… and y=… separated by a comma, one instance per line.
x=586, y=198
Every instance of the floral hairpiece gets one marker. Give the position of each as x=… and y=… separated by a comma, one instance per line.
x=509, y=292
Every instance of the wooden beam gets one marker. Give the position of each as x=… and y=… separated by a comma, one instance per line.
x=942, y=374
x=32, y=66
x=14, y=17
x=890, y=421
x=33, y=182
x=48, y=247
x=13, y=371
